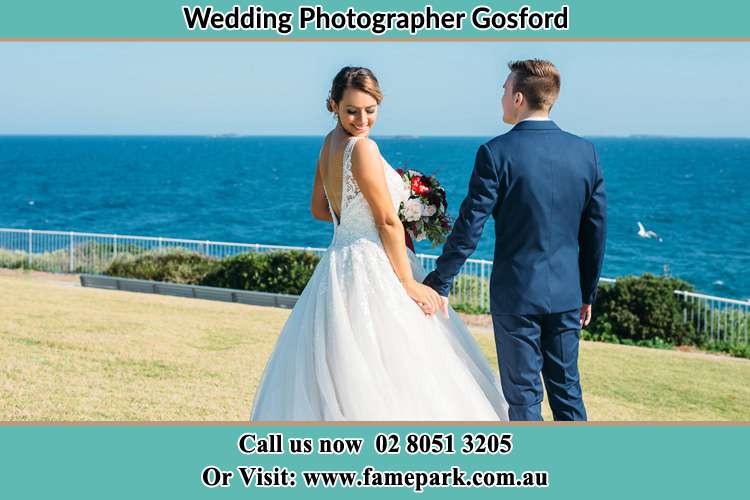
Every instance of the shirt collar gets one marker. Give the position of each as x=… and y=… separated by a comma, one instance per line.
x=536, y=125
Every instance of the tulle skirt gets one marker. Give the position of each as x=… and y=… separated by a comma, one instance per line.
x=356, y=347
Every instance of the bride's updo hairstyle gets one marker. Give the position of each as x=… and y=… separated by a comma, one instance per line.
x=353, y=77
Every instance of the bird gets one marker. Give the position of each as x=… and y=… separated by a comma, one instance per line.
x=647, y=234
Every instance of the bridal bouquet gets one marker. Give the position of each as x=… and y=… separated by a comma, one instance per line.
x=423, y=213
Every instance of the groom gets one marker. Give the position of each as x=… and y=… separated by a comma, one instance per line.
x=544, y=187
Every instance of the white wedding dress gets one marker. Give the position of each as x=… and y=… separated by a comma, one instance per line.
x=356, y=347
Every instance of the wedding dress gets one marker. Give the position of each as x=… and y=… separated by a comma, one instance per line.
x=357, y=347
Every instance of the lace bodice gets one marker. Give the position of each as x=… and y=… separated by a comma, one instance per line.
x=356, y=220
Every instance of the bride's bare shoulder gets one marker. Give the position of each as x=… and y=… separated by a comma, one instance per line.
x=365, y=149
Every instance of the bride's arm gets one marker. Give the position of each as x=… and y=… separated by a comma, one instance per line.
x=367, y=169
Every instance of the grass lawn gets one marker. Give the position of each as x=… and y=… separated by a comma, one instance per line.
x=71, y=353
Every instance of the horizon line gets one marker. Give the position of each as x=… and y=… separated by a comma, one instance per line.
x=230, y=135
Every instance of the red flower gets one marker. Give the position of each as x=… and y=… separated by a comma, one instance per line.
x=419, y=187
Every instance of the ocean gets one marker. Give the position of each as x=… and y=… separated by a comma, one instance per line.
x=694, y=193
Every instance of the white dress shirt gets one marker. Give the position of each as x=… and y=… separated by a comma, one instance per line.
x=536, y=119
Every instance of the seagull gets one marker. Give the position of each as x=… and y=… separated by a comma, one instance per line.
x=646, y=234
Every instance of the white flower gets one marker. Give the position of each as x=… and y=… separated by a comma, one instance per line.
x=412, y=173
x=428, y=210
x=421, y=236
x=412, y=210
x=406, y=192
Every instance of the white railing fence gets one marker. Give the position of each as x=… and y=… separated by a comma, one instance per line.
x=91, y=253
x=717, y=318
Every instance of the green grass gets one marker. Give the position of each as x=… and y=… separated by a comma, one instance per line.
x=71, y=353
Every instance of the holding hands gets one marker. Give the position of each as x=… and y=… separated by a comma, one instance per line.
x=426, y=298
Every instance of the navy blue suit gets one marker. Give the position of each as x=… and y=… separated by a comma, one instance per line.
x=545, y=189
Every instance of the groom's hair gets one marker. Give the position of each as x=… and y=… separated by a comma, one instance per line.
x=537, y=80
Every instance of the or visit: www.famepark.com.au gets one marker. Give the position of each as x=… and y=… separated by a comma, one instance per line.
x=370, y=477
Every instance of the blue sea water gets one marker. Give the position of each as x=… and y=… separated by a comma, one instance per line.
x=695, y=193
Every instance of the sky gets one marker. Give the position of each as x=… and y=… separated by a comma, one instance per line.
x=431, y=88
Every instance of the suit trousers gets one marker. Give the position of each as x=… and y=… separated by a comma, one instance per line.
x=532, y=343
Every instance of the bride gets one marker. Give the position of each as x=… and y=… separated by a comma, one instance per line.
x=366, y=340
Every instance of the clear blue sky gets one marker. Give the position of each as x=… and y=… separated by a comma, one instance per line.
x=614, y=89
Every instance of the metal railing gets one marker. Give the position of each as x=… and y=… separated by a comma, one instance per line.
x=718, y=318
x=91, y=253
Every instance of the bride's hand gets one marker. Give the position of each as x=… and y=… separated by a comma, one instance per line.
x=425, y=297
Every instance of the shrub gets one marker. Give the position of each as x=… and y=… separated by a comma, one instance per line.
x=96, y=256
x=736, y=349
x=175, y=266
x=13, y=259
x=89, y=256
x=276, y=272
x=656, y=342
x=241, y=272
x=643, y=309
x=467, y=291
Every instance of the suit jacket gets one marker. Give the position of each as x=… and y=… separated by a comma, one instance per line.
x=545, y=189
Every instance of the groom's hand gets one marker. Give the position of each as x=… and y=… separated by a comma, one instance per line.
x=585, y=315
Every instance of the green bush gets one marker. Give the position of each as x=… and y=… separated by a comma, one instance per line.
x=275, y=272
x=244, y=271
x=466, y=291
x=56, y=261
x=656, y=342
x=90, y=256
x=175, y=266
x=14, y=259
x=97, y=255
x=643, y=309
x=736, y=349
